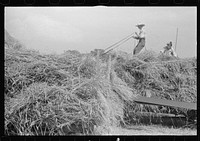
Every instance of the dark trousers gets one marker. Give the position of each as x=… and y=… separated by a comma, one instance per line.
x=139, y=46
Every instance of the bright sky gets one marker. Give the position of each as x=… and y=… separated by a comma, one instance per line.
x=55, y=29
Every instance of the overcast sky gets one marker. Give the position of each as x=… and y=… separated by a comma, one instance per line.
x=84, y=29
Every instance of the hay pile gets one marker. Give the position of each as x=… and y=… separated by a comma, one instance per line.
x=61, y=95
x=74, y=93
x=159, y=76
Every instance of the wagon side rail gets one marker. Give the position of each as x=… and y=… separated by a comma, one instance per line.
x=163, y=102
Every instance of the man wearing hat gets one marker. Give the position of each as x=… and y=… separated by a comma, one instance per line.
x=169, y=49
x=141, y=37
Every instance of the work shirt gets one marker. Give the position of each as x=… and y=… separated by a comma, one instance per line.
x=172, y=52
x=141, y=35
x=169, y=50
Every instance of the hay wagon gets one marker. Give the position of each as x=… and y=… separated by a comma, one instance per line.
x=191, y=115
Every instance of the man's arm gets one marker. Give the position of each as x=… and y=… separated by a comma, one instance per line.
x=173, y=52
x=136, y=36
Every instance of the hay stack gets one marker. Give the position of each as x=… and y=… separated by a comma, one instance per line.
x=60, y=97
x=172, y=79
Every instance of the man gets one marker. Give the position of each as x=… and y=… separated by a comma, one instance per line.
x=169, y=49
x=141, y=37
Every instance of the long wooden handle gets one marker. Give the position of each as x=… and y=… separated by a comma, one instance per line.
x=176, y=38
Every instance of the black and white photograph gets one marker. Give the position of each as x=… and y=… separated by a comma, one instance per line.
x=100, y=70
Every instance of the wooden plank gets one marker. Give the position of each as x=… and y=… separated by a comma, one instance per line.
x=163, y=102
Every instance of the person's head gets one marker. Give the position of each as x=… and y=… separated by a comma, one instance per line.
x=169, y=44
x=140, y=26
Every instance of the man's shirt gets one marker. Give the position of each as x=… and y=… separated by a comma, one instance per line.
x=169, y=51
x=140, y=35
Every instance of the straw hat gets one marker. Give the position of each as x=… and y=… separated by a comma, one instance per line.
x=140, y=25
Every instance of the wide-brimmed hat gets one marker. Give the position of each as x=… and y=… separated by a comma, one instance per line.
x=140, y=25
